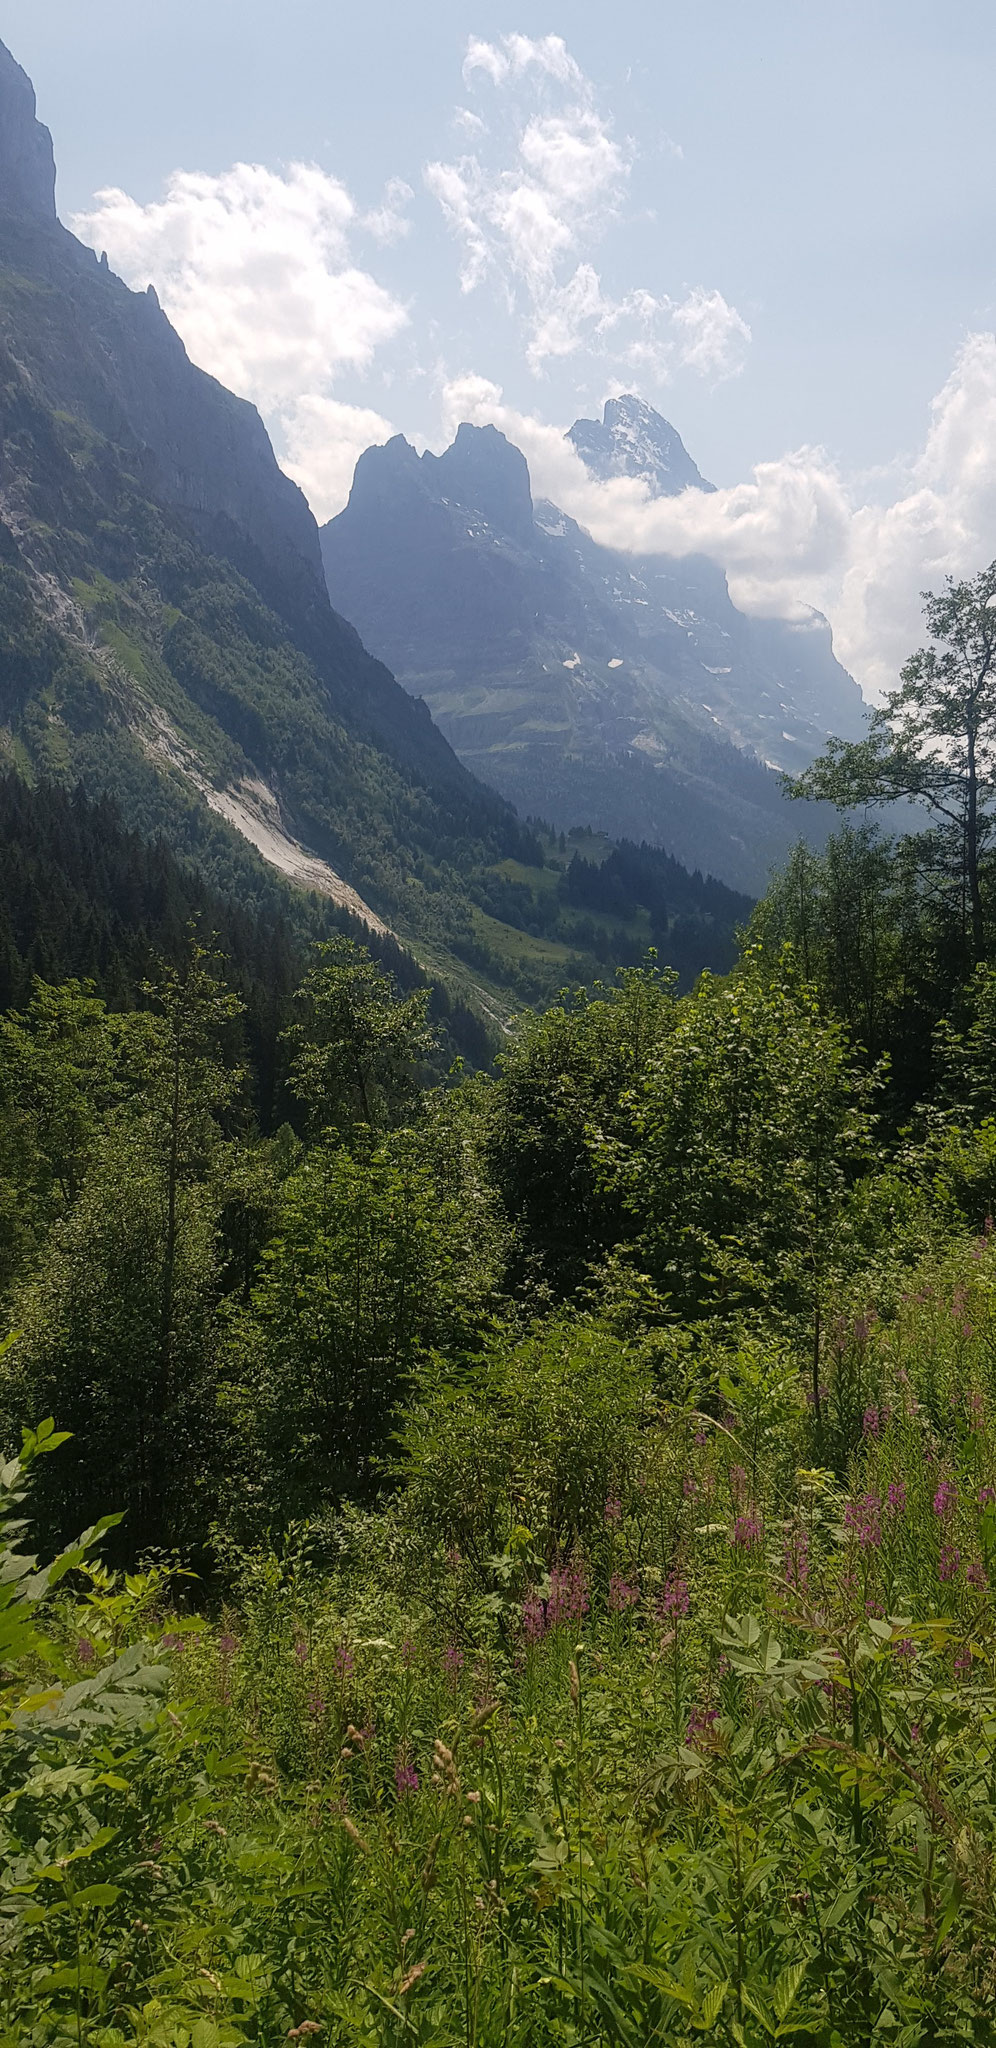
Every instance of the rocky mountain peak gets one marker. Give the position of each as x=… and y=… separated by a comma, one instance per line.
x=27, y=161
x=483, y=471
x=631, y=439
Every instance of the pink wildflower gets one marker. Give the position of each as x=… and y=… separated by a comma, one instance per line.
x=674, y=1600
x=746, y=1531
x=863, y=1516
x=621, y=1595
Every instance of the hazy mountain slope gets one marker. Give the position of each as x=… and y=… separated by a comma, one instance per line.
x=580, y=682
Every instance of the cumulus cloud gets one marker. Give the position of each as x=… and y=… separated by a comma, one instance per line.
x=254, y=267
x=799, y=535
x=528, y=210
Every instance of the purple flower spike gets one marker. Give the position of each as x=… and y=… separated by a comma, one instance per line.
x=621, y=1595
x=674, y=1599
x=945, y=1498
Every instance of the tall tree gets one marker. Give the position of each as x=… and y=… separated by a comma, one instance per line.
x=360, y=1047
x=934, y=741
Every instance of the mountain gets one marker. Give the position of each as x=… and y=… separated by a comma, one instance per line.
x=166, y=638
x=631, y=439
x=582, y=682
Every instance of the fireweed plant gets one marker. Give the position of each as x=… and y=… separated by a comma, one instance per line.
x=689, y=1736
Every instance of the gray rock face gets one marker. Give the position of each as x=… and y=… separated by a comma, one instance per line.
x=27, y=164
x=631, y=439
x=113, y=359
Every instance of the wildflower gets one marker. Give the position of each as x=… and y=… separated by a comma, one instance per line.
x=976, y=1409
x=874, y=1607
x=795, y=1559
x=738, y=1482
x=950, y=1560
x=700, y=1439
x=453, y=1661
x=568, y=1601
x=407, y=1651
x=975, y=1572
x=897, y=1497
x=987, y=1495
x=613, y=1509
x=316, y=1705
x=688, y=1487
x=88, y=1655
x=344, y=1664
x=533, y=1618
x=906, y=1649
x=621, y=1595
x=871, y=1422
x=963, y=1662
x=746, y=1531
x=406, y=1779
x=945, y=1498
x=914, y=1731
x=674, y=1599
x=863, y=1517
x=171, y=1642
x=227, y=1645
x=301, y=1650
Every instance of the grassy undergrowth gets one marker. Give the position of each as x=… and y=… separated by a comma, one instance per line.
x=654, y=1706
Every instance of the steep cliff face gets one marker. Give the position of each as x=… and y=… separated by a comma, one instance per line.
x=110, y=356
x=27, y=161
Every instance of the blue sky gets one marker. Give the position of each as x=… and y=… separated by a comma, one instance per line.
x=775, y=221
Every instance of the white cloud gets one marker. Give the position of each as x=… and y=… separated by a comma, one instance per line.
x=520, y=53
x=711, y=335
x=389, y=221
x=255, y=270
x=528, y=210
x=799, y=534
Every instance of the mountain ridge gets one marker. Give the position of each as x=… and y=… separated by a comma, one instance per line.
x=578, y=681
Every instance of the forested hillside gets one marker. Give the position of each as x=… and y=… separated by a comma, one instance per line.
x=547, y=1593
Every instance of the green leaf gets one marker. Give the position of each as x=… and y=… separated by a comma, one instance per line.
x=97, y=1895
x=787, y=1986
x=712, y=2006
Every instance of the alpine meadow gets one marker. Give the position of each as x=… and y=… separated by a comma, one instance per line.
x=497, y=1167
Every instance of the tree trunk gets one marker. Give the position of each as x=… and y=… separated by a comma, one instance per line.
x=972, y=849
